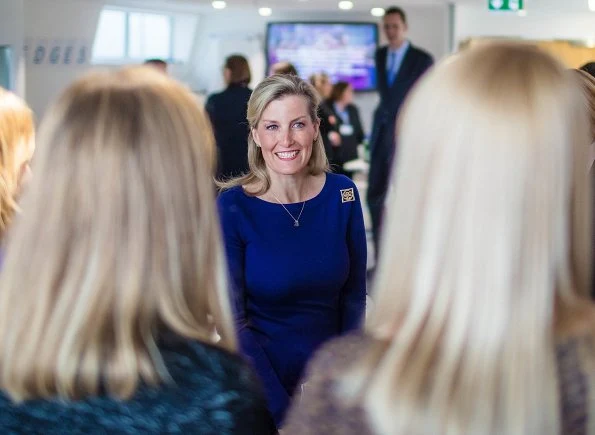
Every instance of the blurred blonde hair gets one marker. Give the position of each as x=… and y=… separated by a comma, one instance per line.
x=118, y=242
x=16, y=130
x=270, y=89
x=486, y=250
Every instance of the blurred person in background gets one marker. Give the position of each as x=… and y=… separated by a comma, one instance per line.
x=17, y=144
x=115, y=330
x=587, y=83
x=295, y=240
x=482, y=324
x=283, y=68
x=589, y=68
x=328, y=121
x=348, y=122
x=398, y=66
x=227, y=111
x=159, y=64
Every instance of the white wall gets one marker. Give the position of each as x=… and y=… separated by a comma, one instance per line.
x=243, y=31
x=55, y=20
x=75, y=20
x=12, y=33
x=545, y=20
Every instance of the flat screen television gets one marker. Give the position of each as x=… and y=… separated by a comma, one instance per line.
x=345, y=51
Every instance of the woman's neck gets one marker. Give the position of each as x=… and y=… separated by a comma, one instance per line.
x=289, y=188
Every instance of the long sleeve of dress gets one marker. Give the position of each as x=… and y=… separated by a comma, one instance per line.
x=277, y=396
x=353, y=297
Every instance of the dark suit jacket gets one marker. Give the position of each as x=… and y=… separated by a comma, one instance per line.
x=349, y=143
x=227, y=111
x=382, y=140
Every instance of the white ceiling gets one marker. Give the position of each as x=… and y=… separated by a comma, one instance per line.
x=360, y=5
x=562, y=6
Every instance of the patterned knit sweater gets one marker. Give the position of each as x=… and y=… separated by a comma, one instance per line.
x=319, y=411
x=213, y=393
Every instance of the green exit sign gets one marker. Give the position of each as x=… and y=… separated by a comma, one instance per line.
x=506, y=5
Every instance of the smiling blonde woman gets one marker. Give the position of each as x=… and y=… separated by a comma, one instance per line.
x=295, y=240
x=114, y=279
x=482, y=324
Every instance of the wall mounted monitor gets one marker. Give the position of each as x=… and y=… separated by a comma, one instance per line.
x=345, y=51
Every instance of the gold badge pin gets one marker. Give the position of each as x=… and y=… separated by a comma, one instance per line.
x=347, y=195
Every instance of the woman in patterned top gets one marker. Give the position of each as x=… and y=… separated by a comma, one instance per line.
x=114, y=282
x=482, y=323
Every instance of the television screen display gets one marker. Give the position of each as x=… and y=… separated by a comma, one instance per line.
x=345, y=51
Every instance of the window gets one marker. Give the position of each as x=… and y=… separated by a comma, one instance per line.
x=111, y=36
x=130, y=36
x=150, y=36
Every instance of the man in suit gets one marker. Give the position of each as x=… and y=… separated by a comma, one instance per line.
x=398, y=66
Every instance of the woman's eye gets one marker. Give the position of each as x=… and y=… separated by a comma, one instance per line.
x=271, y=127
x=299, y=125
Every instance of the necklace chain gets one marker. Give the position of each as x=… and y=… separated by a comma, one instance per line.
x=296, y=222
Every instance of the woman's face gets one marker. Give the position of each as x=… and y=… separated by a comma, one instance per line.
x=326, y=87
x=285, y=134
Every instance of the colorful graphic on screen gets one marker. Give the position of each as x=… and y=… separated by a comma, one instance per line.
x=345, y=51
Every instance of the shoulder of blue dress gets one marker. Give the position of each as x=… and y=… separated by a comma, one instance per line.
x=230, y=193
x=230, y=196
x=339, y=180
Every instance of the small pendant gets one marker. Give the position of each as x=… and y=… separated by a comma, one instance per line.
x=296, y=223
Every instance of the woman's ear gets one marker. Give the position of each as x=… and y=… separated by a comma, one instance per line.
x=255, y=136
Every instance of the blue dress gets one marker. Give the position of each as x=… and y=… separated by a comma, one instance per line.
x=294, y=287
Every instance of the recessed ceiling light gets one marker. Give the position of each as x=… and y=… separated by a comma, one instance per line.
x=219, y=4
x=345, y=5
x=377, y=12
x=265, y=12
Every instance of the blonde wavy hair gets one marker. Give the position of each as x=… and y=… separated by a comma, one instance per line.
x=486, y=253
x=16, y=134
x=270, y=89
x=118, y=242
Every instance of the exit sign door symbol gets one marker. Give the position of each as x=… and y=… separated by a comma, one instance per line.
x=506, y=5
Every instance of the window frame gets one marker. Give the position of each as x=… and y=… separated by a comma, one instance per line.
x=127, y=59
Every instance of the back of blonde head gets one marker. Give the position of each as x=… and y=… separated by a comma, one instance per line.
x=487, y=247
x=16, y=130
x=118, y=241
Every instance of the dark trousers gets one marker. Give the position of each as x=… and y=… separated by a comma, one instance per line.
x=382, y=150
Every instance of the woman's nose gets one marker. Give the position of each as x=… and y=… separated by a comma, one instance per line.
x=286, y=139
